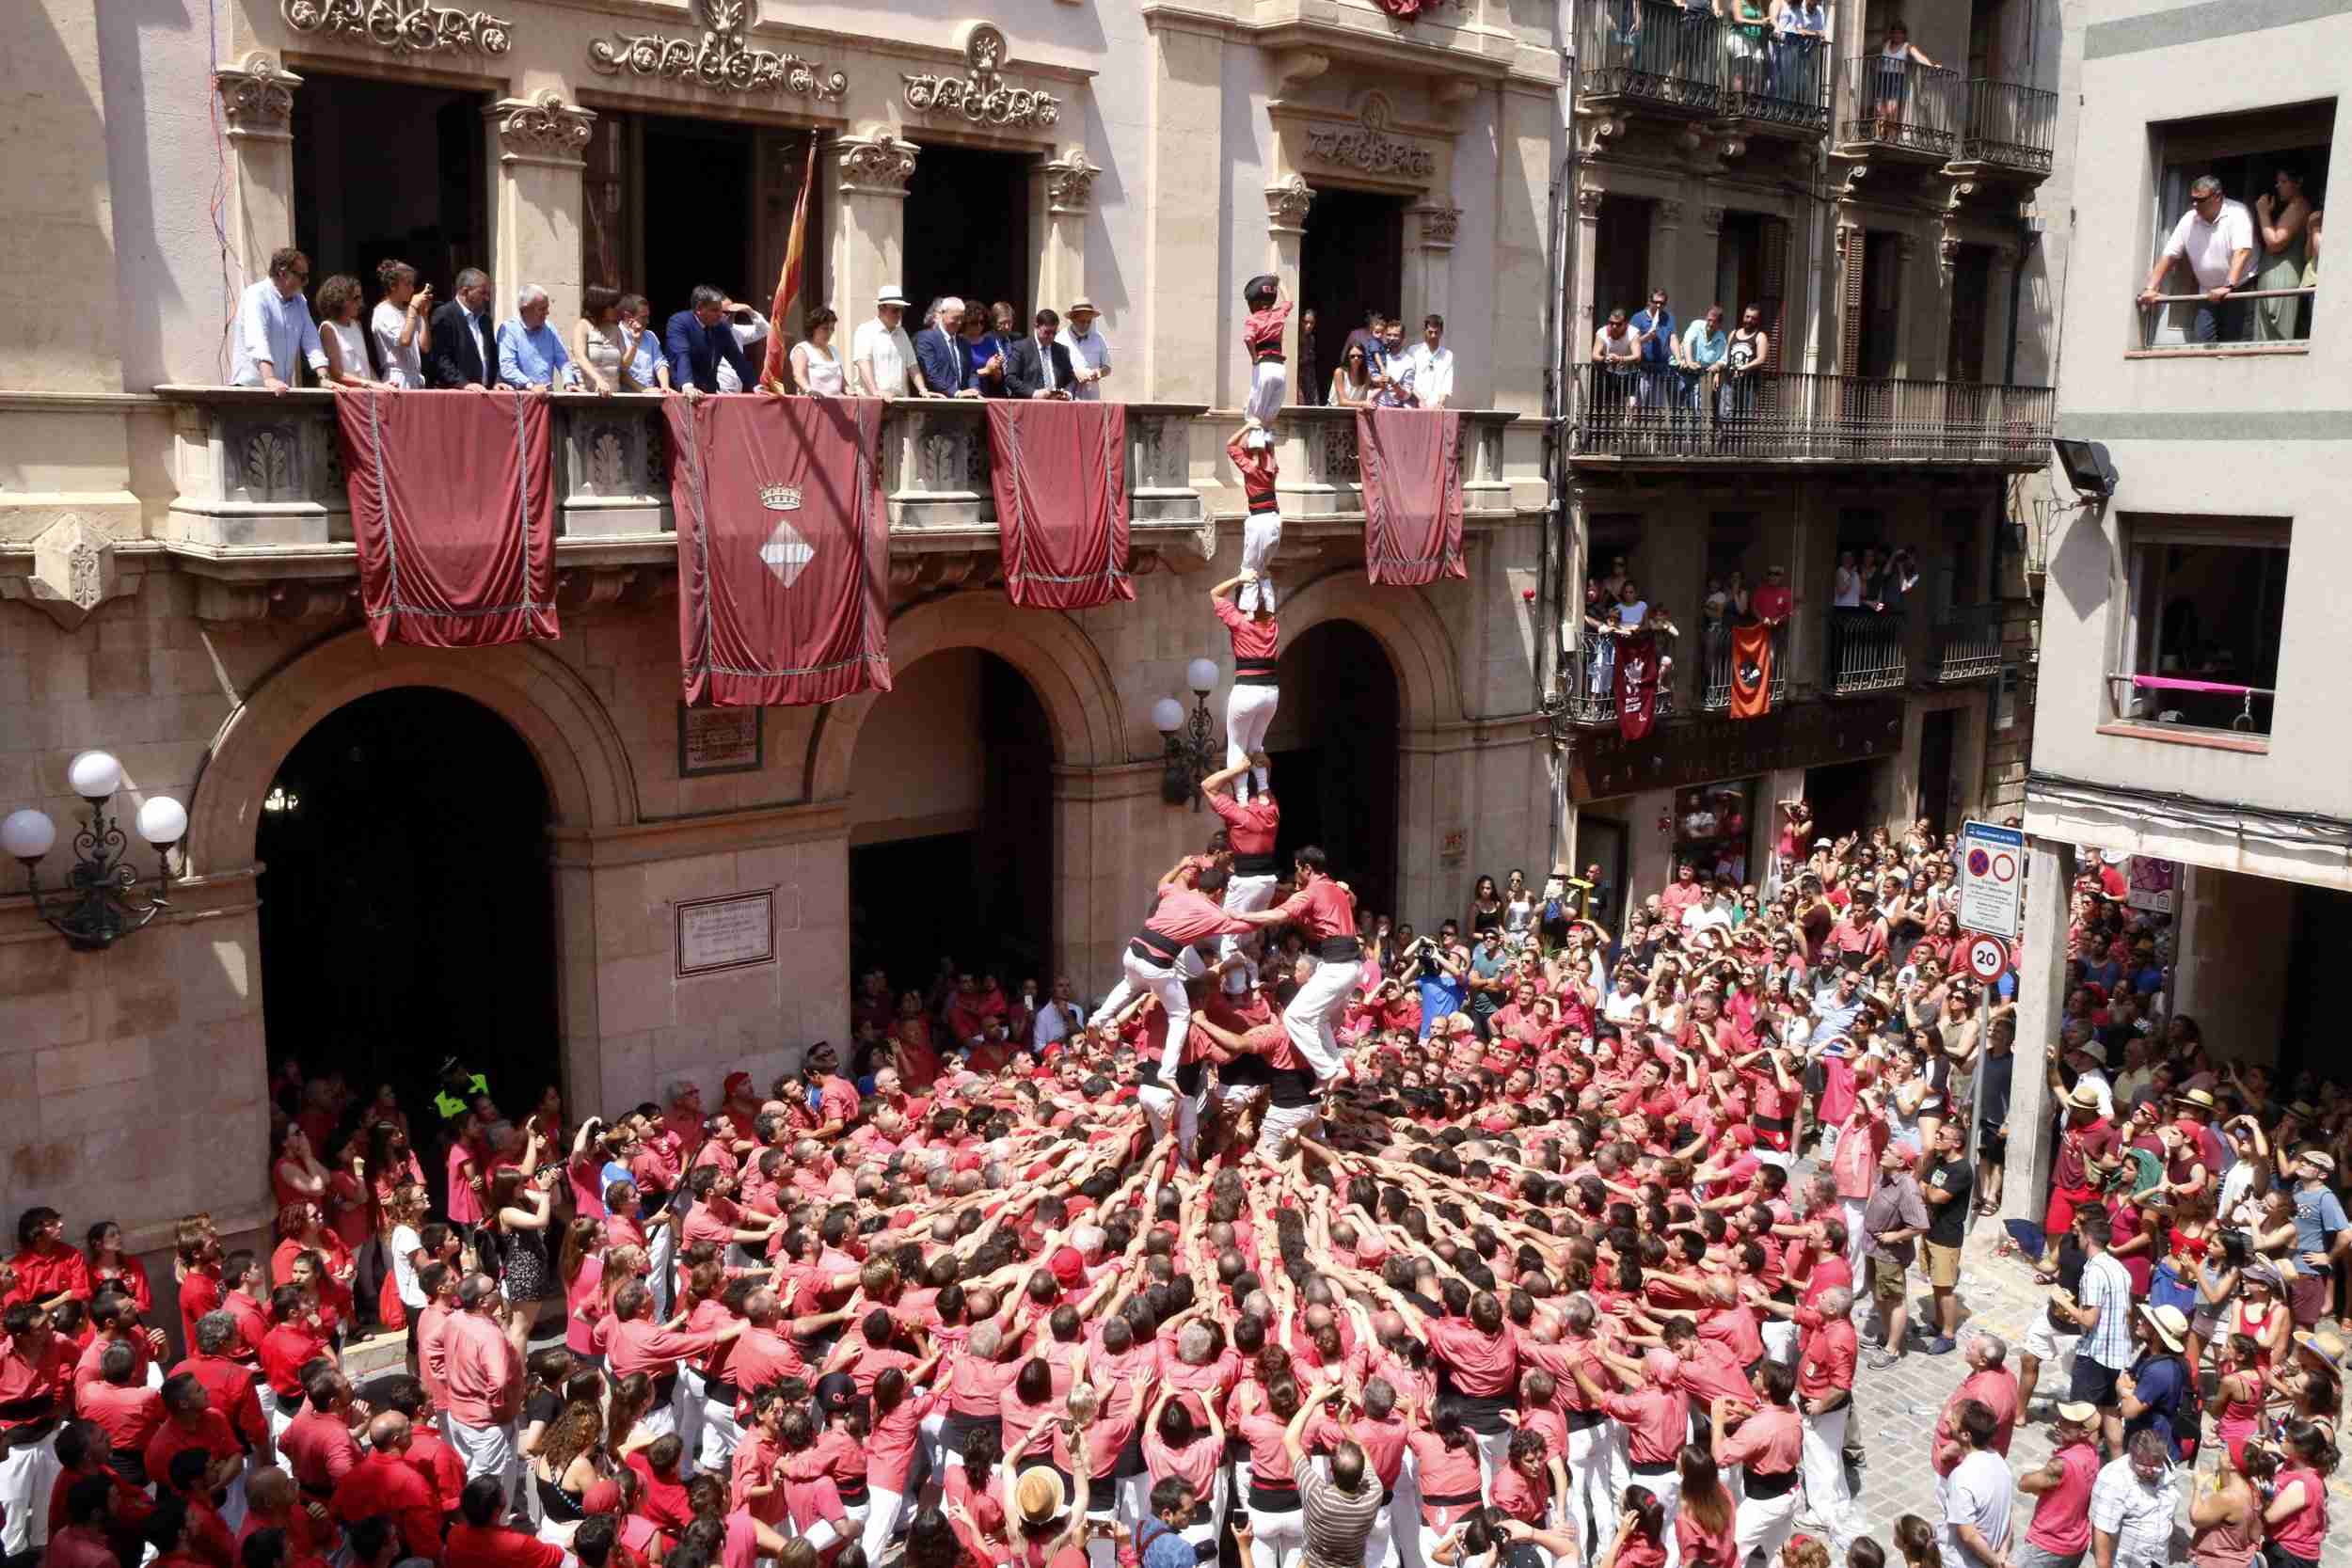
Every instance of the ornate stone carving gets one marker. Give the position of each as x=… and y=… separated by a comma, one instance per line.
x=1947, y=253
x=1070, y=182
x=720, y=59
x=1294, y=68
x=73, y=570
x=1335, y=459
x=978, y=95
x=1286, y=204
x=1438, y=226
x=1597, y=131
x=1669, y=214
x=543, y=128
x=1711, y=220
x=256, y=94
x=404, y=26
x=881, y=166
x=1369, y=147
x=266, y=466
x=1588, y=200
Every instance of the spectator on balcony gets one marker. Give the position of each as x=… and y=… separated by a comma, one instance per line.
x=402, y=324
x=1004, y=320
x=1433, y=364
x=882, y=361
x=815, y=368
x=341, y=335
x=1799, y=36
x=1309, y=383
x=1372, y=338
x=1654, y=329
x=1883, y=589
x=1746, y=354
x=750, y=330
x=1352, y=386
x=1038, y=366
x=274, y=325
x=1618, y=353
x=600, y=343
x=983, y=354
x=1744, y=43
x=530, y=354
x=1396, y=372
x=462, y=352
x=2282, y=217
x=1089, y=351
x=647, y=369
x=1896, y=55
x=1846, y=587
x=1698, y=357
x=938, y=351
x=2216, y=238
x=1772, y=601
x=698, y=337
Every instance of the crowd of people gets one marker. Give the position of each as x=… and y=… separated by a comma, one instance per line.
x=1556, y=1234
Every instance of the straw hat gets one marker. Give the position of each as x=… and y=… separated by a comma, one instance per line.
x=2171, y=1324
x=1038, y=1496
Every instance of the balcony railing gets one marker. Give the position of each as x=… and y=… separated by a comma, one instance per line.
x=1593, y=682
x=1866, y=652
x=2010, y=125
x=1968, y=643
x=1716, y=666
x=2196, y=705
x=1900, y=105
x=1654, y=52
x=2249, y=319
x=1662, y=413
x=1787, y=87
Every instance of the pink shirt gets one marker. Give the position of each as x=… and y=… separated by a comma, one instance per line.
x=486, y=1381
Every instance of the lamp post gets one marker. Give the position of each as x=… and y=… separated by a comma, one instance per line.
x=98, y=907
x=1191, y=748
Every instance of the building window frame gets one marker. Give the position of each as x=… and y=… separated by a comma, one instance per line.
x=2145, y=571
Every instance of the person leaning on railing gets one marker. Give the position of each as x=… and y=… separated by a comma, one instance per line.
x=2216, y=238
x=1698, y=357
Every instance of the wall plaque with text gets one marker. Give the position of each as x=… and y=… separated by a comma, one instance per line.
x=719, y=740
x=734, y=932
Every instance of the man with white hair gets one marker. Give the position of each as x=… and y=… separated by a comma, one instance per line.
x=2215, y=240
x=939, y=349
x=531, y=352
x=1825, y=1400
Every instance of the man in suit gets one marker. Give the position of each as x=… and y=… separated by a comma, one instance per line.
x=939, y=349
x=465, y=339
x=698, y=337
x=1038, y=366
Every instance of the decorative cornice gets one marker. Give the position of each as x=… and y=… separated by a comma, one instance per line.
x=1286, y=205
x=541, y=129
x=1294, y=68
x=1369, y=148
x=720, y=59
x=1669, y=214
x=404, y=26
x=880, y=165
x=1070, y=182
x=1438, y=227
x=1711, y=220
x=980, y=95
x=257, y=95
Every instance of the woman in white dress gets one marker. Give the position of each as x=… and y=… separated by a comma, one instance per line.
x=815, y=368
x=1846, y=592
x=339, y=333
x=600, y=343
x=402, y=324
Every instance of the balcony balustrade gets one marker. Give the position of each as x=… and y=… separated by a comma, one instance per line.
x=1900, y=106
x=1592, y=686
x=1662, y=414
x=1716, y=666
x=1866, y=653
x=2010, y=127
x=1663, y=57
x=1968, y=644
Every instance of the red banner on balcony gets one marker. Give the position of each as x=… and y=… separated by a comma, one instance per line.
x=1059, y=470
x=1636, y=685
x=453, y=504
x=1410, y=461
x=1751, y=671
x=782, y=549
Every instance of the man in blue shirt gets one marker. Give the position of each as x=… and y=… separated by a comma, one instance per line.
x=1654, y=330
x=1697, y=355
x=697, y=338
x=1439, y=970
x=2321, y=1235
x=274, y=331
x=530, y=352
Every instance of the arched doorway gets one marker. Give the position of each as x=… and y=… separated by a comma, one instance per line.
x=405, y=908
x=1336, y=760
x=951, y=825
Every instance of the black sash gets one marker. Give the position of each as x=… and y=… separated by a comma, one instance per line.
x=1340, y=950
x=1765, y=1487
x=1156, y=947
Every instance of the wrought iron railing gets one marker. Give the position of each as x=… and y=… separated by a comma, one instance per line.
x=1655, y=52
x=1866, y=652
x=1718, y=669
x=1592, y=687
x=1894, y=102
x=1642, y=410
x=2193, y=704
x=1968, y=643
x=1789, y=85
x=2009, y=124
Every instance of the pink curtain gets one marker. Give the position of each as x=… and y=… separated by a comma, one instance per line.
x=1060, y=477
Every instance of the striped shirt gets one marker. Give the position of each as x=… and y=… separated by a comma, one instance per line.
x=1338, y=1521
x=2107, y=1286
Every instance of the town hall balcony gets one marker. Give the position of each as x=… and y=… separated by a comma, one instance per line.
x=1634, y=416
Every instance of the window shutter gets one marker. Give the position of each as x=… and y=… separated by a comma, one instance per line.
x=1773, y=280
x=1853, y=250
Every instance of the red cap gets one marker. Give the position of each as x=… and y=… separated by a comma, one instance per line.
x=737, y=1083
x=603, y=1497
x=1070, y=1270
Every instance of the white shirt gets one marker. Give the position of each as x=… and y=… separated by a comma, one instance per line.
x=1978, y=1492
x=2139, y=1515
x=2208, y=247
x=403, y=367
x=1433, y=375
x=886, y=352
x=1091, y=351
x=1057, y=1022
x=1700, y=917
x=404, y=1243
x=273, y=327
x=744, y=338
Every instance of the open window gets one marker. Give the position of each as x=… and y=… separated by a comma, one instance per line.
x=2203, y=602
x=2276, y=152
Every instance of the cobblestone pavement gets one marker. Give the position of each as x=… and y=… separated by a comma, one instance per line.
x=1897, y=1406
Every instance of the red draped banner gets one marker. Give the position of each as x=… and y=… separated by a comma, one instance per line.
x=1410, y=462
x=1751, y=671
x=453, y=503
x=782, y=549
x=1636, y=683
x=1059, y=470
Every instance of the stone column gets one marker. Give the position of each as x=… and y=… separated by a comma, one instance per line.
x=1908, y=309
x=1065, y=190
x=256, y=103
x=1667, y=264
x=1429, y=267
x=2041, y=1002
x=1286, y=207
x=869, y=219
x=538, y=200
x=1580, y=343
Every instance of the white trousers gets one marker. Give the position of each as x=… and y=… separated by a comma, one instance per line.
x=1308, y=1019
x=1765, y=1523
x=279, y=1419
x=28, y=1473
x=1277, y=1539
x=1163, y=981
x=1248, y=714
x=661, y=1258
x=1164, y=1106
x=1269, y=388
x=882, y=1519
x=1244, y=895
x=486, y=1450
x=1494, y=1452
x=1857, y=1240
x=1281, y=1122
x=1781, y=1337
x=1261, y=536
x=722, y=1434
x=686, y=1408
x=1592, y=1510
x=1825, y=1493
x=1209, y=1534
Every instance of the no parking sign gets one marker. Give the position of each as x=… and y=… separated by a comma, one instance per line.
x=1992, y=879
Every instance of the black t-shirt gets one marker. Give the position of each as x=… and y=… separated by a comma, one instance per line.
x=543, y=1406
x=1948, y=1223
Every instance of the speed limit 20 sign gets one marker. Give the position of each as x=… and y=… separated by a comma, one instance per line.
x=1988, y=958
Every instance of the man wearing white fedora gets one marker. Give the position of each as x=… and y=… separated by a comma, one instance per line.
x=882, y=354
